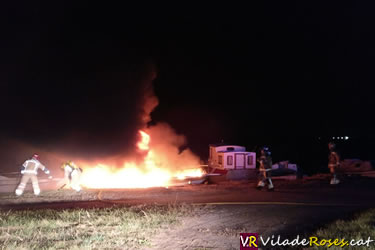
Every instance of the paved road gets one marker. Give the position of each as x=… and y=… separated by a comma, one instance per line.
x=296, y=207
x=354, y=192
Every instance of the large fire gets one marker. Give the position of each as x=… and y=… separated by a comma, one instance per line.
x=150, y=173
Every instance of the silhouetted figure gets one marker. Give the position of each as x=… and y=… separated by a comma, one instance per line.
x=265, y=167
x=333, y=163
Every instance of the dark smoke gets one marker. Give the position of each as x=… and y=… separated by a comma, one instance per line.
x=82, y=111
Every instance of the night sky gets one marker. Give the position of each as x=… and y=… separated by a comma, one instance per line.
x=73, y=76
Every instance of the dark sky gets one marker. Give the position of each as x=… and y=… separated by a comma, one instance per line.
x=262, y=73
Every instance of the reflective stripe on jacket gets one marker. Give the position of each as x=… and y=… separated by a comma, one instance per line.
x=31, y=166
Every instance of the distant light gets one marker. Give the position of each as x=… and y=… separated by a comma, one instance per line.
x=346, y=137
x=342, y=138
x=333, y=137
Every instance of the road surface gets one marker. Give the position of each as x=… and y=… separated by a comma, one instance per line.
x=295, y=207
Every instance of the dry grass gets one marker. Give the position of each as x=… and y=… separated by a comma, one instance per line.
x=361, y=227
x=50, y=195
x=107, y=228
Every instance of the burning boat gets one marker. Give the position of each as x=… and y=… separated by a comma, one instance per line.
x=162, y=166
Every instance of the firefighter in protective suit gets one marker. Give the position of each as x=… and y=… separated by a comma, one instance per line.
x=265, y=167
x=30, y=171
x=333, y=163
x=72, y=175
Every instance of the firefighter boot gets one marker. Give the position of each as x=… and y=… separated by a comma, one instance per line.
x=260, y=185
x=19, y=192
x=334, y=180
x=270, y=185
x=77, y=188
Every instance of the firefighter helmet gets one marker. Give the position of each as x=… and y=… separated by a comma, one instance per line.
x=331, y=145
x=265, y=150
x=67, y=163
x=35, y=156
x=70, y=164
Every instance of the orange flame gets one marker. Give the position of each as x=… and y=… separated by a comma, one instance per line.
x=148, y=174
x=143, y=144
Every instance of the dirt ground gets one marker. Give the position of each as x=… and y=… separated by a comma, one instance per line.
x=218, y=227
x=224, y=210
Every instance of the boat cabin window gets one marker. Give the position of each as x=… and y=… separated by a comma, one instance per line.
x=230, y=160
x=220, y=159
x=250, y=160
x=230, y=148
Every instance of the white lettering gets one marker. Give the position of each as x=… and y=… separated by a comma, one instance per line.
x=368, y=241
x=295, y=241
x=275, y=243
x=244, y=242
x=358, y=243
x=264, y=243
x=285, y=242
x=304, y=242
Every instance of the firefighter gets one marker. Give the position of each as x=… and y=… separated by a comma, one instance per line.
x=333, y=163
x=265, y=167
x=72, y=175
x=30, y=171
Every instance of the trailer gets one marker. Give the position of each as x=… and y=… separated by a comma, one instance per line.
x=232, y=162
